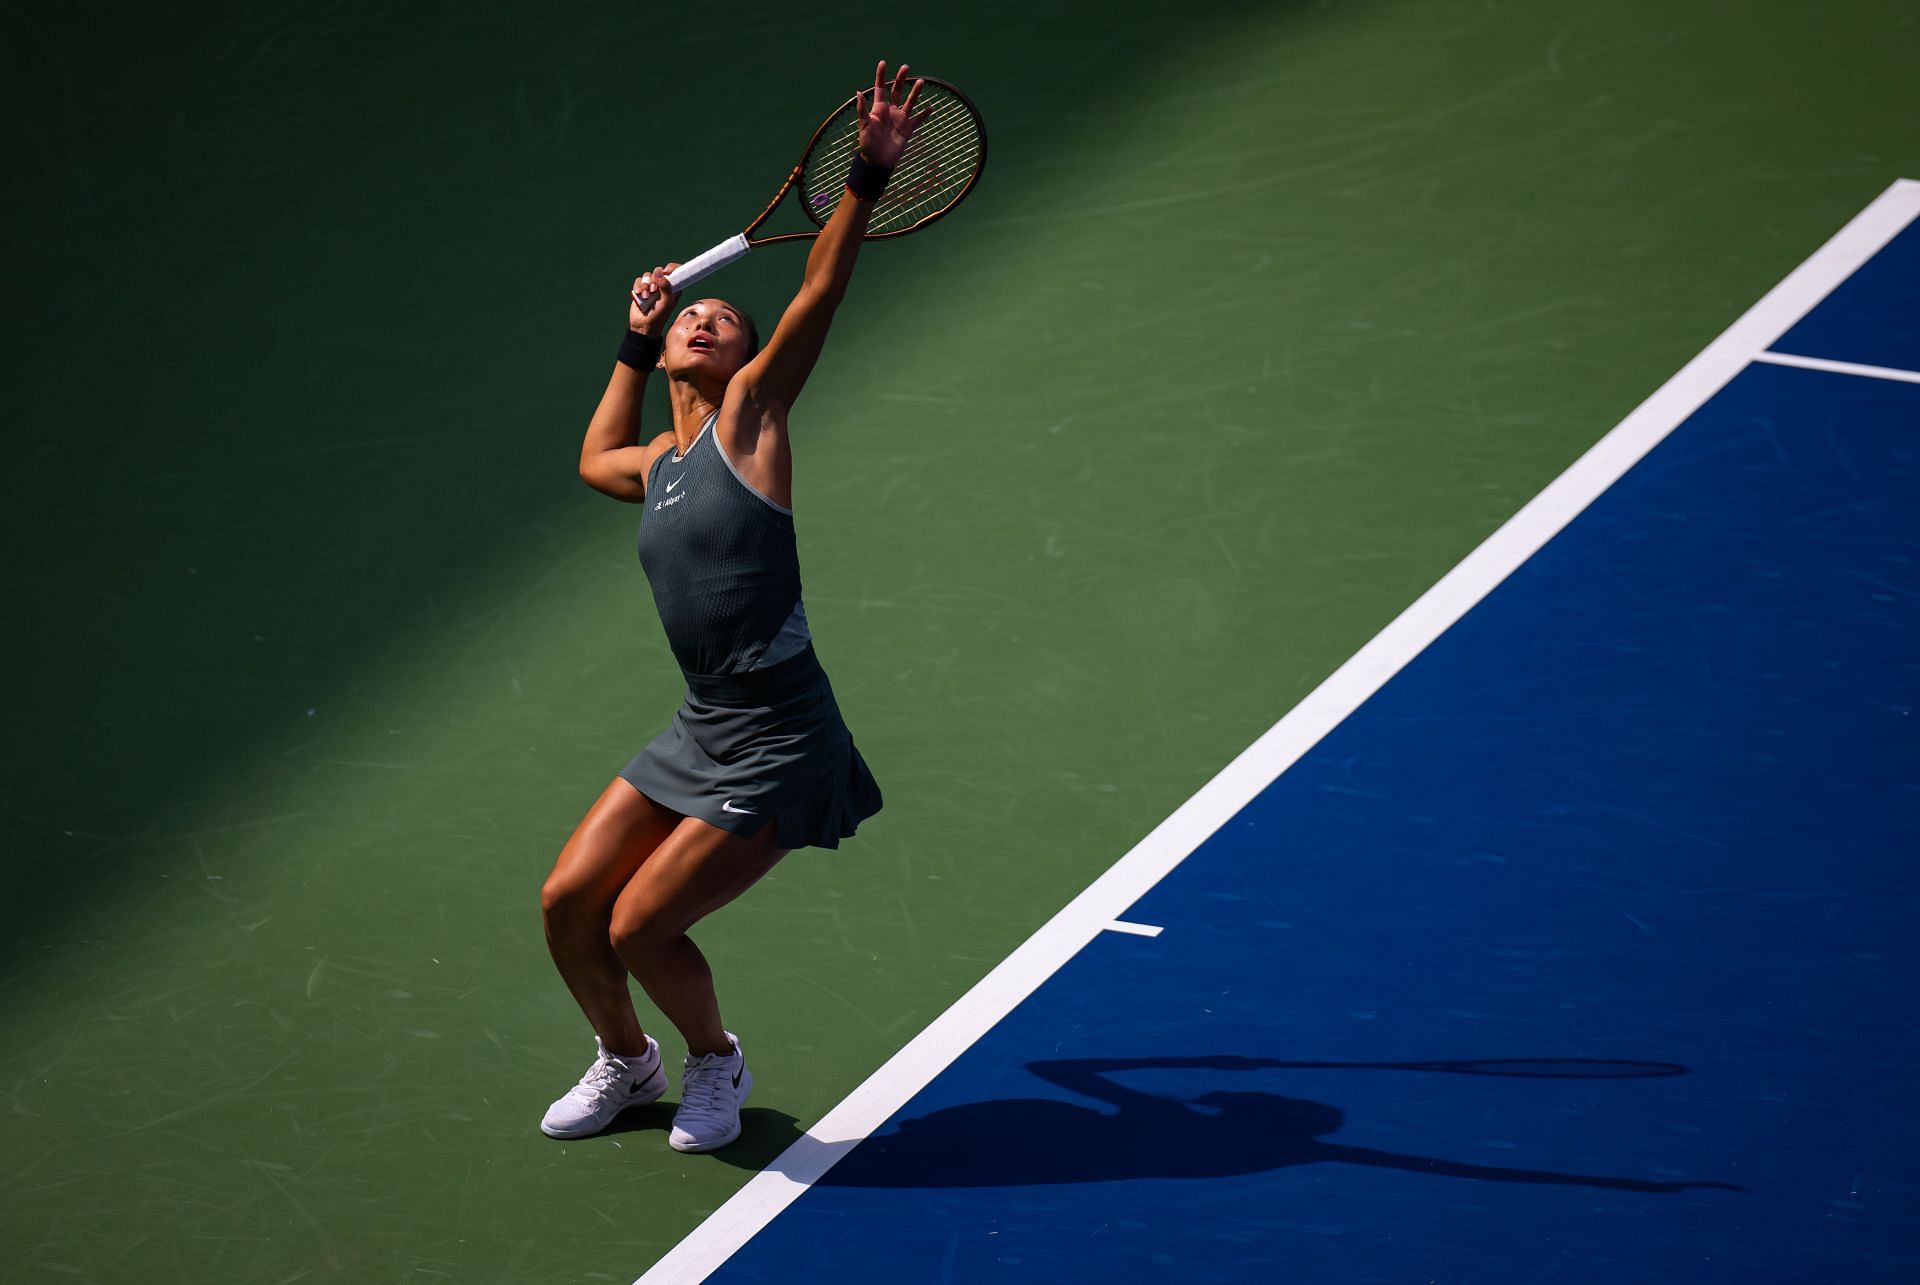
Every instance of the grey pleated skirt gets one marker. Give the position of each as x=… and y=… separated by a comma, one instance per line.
x=770, y=745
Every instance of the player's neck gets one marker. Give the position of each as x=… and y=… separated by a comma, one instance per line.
x=692, y=405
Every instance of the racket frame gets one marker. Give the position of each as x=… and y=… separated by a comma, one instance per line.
x=710, y=261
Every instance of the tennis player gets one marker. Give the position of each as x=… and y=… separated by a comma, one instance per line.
x=757, y=760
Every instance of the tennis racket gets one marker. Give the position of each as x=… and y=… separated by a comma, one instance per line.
x=941, y=163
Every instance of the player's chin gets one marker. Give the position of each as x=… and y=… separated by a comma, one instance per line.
x=708, y=362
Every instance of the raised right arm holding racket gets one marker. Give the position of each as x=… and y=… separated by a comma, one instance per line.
x=887, y=162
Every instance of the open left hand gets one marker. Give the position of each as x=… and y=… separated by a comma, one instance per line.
x=889, y=120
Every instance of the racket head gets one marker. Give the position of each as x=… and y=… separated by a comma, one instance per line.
x=944, y=159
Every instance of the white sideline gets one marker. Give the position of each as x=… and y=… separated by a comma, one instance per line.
x=1839, y=367
x=1095, y=910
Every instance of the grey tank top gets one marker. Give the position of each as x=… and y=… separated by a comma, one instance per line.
x=721, y=559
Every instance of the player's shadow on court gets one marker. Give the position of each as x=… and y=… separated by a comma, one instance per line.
x=1217, y=1133
x=764, y=1133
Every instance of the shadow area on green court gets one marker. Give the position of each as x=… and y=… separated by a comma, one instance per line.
x=1219, y=1128
x=764, y=1133
x=316, y=311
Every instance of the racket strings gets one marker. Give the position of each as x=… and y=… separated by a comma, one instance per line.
x=938, y=132
x=935, y=180
x=940, y=162
x=951, y=139
x=930, y=175
x=846, y=134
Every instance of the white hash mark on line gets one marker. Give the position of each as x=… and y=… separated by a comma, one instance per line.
x=1839, y=367
x=1173, y=840
x=1138, y=930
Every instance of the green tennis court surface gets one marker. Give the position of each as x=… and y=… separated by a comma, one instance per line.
x=1257, y=324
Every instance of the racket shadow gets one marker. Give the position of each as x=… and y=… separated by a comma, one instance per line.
x=1220, y=1131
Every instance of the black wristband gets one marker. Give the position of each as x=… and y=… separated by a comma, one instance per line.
x=640, y=351
x=865, y=179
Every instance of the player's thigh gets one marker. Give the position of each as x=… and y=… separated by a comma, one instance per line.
x=618, y=833
x=692, y=873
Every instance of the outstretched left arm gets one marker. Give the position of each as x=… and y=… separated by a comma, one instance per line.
x=771, y=382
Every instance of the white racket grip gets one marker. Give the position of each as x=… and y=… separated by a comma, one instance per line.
x=705, y=265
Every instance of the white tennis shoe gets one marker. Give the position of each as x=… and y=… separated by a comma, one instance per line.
x=610, y=1086
x=711, y=1091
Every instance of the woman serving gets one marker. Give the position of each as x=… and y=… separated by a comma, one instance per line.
x=757, y=761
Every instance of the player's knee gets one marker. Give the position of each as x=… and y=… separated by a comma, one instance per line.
x=637, y=936
x=566, y=904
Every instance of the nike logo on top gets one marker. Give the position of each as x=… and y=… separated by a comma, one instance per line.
x=676, y=481
x=727, y=806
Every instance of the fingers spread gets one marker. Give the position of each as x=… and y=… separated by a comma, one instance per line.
x=893, y=95
x=912, y=94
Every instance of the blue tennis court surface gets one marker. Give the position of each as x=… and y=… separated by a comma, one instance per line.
x=1873, y=318
x=1583, y=951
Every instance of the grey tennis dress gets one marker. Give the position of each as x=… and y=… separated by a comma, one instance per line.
x=759, y=737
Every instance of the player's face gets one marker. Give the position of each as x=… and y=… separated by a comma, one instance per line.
x=708, y=335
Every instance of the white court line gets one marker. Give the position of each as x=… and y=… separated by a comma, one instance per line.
x=1138, y=930
x=1839, y=367
x=1170, y=842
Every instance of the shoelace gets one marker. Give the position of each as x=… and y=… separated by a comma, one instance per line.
x=602, y=1077
x=703, y=1089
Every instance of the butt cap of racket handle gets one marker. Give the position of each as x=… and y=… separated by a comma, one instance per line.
x=705, y=265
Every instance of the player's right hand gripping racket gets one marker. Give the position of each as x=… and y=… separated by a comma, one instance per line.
x=942, y=162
